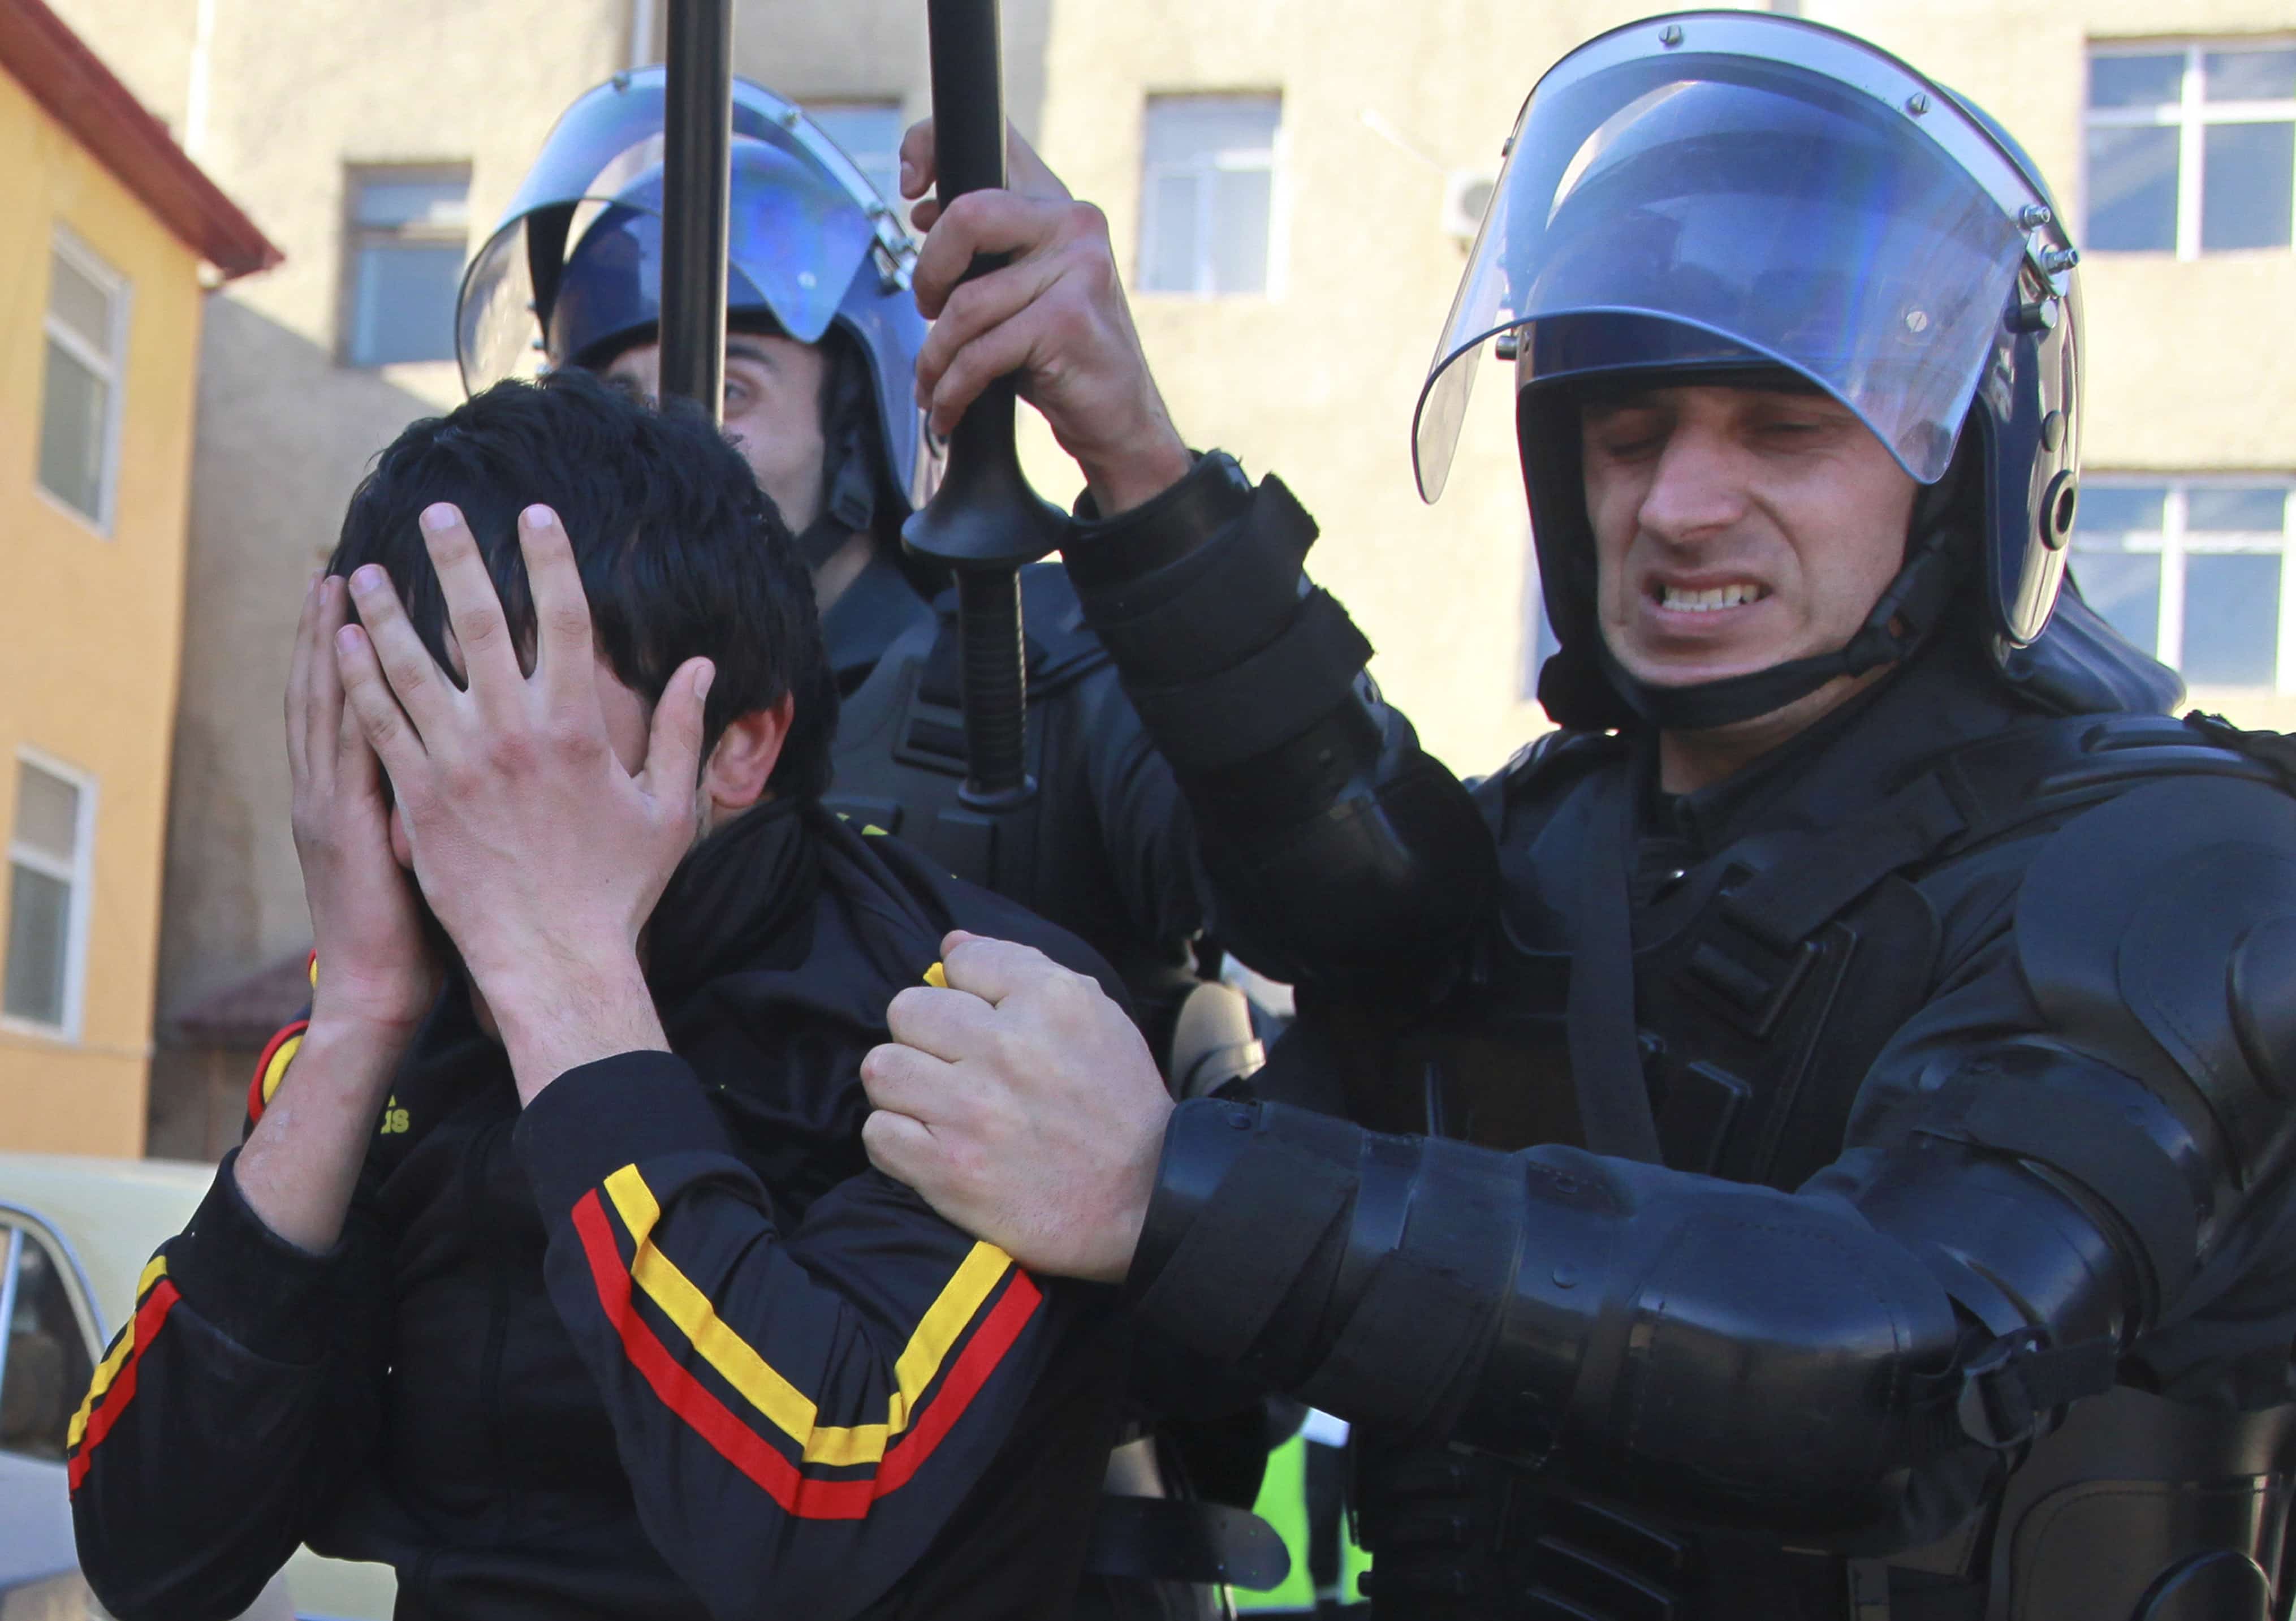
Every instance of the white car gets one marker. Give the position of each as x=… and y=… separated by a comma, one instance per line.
x=74, y=1235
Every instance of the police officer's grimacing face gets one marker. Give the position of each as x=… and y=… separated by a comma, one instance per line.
x=773, y=412
x=1736, y=528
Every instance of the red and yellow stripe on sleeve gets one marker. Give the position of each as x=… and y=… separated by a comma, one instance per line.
x=278, y=1053
x=958, y=1344
x=114, y=1384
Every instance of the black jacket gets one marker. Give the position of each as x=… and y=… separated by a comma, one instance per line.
x=1937, y=1064
x=662, y=1345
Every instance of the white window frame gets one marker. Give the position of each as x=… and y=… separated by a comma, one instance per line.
x=2190, y=116
x=81, y=874
x=2176, y=542
x=1278, y=201
x=112, y=368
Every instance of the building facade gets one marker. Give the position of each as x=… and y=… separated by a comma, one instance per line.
x=1292, y=185
x=114, y=238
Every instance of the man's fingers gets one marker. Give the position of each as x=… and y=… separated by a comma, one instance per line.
x=904, y=1150
x=979, y=222
x=995, y=969
x=413, y=676
x=999, y=352
x=324, y=715
x=357, y=771
x=920, y=161
x=673, y=760
x=565, y=662
x=910, y=1082
x=489, y=661
x=946, y=1025
x=299, y=677
x=369, y=697
x=978, y=307
x=1025, y=171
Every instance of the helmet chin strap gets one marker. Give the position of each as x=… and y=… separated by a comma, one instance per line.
x=848, y=471
x=1909, y=610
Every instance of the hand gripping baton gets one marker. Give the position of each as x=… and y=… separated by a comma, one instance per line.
x=984, y=522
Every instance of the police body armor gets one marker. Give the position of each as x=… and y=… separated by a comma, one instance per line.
x=900, y=759
x=1769, y=977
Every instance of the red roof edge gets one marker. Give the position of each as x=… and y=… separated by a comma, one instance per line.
x=59, y=71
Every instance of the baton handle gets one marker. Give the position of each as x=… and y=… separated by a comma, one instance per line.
x=984, y=522
x=696, y=165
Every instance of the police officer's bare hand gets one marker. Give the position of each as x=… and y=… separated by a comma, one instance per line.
x=540, y=852
x=1055, y=314
x=366, y=917
x=1024, y=1107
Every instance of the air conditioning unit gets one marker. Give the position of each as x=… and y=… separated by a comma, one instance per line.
x=1467, y=197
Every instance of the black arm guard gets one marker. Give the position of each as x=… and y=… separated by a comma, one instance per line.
x=1735, y=1352
x=2049, y=1209
x=1338, y=849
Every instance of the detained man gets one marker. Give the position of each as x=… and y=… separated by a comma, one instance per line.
x=552, y=1271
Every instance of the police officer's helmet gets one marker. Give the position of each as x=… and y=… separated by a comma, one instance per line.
x=572, y=274
x=1739, y=195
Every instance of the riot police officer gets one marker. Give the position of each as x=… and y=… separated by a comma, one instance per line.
x=823, y=338
x=1818, y=1130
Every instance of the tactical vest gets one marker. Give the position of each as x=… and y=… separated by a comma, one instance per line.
x=899, y=754
x=899, y=758
x=1768, y=980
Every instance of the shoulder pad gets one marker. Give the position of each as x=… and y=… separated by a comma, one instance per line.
x=1543, y=761
x=2158, y=932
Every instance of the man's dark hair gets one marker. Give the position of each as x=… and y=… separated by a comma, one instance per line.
x=681, y=553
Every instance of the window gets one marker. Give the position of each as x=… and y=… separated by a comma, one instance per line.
x=44, y=1360
x=47, y=895
x=408, y=230
x=870, y=133
x=2190, y=570
x=80, y=390
x=2192, y=149
x=1208, y=193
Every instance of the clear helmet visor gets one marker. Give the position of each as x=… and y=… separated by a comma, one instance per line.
x=1732, y=188
x=585, y=227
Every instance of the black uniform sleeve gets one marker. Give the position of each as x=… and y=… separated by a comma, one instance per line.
x=1339, y=852
x=800, y=1411
x=231, y=1409
x=2071, y=1168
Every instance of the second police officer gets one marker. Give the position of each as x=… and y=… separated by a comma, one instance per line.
x=823, y=336
x=1830, y=1104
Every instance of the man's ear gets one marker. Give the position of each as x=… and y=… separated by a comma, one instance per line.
x=734, y=776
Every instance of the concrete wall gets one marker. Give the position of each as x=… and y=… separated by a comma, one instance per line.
x=89, y=624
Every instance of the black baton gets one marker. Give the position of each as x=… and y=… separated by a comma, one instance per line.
x=697, y=141
x=984, y=522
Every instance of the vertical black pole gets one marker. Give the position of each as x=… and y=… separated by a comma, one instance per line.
x=697, y=138
x=985, y=522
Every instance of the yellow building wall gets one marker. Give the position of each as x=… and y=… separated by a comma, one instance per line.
x=90, y=624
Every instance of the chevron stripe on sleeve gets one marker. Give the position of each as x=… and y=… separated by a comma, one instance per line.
x=756, y=1417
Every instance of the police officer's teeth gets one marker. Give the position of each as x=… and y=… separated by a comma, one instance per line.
x=1718, y=597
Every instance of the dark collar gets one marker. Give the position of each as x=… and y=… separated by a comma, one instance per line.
x=1852, y=757
x=874, y=610
x=742, y=899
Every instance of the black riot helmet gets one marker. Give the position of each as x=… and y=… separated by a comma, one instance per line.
x=1739, y=196
x=572, y=276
